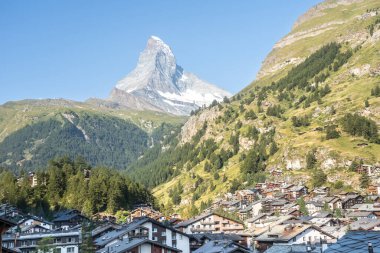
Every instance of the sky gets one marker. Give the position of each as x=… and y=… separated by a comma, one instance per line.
x=77, y=49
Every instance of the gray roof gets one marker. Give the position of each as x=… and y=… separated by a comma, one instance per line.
x=115, y=234
x=365, y=224
x=224, y=246
x=219, y=236
x=359, y=214
x=295, y=248
x=356, y=242
x=126, y=245
x=255, y=218
x=200, y=217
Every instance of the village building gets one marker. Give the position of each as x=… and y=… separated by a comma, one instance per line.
x=210, y=223
x=292, y=234
x=66, y=241
x=149, y=233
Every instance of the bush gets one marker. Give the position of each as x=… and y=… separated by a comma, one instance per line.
x=332, y=133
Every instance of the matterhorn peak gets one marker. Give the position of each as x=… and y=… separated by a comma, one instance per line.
x=158, y=83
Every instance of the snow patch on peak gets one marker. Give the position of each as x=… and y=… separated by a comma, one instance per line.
x=161, y=83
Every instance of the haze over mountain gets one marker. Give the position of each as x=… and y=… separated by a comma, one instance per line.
x=158, y=83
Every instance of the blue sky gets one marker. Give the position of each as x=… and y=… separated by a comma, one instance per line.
x=77, y=49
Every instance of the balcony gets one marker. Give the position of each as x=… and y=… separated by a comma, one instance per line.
x=201, y=230
x=207, y=222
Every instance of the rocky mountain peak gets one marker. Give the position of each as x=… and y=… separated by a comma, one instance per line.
x=159, y=83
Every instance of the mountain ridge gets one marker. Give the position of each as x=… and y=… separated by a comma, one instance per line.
x=158, y=83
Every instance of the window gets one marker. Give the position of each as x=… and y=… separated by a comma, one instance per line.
x=154, y=229
x=163, y=233
x=174, y=245
x=70, y=250
x=154, y=238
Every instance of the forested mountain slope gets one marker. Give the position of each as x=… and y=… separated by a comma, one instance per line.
x=313, y=113
x=35, y=131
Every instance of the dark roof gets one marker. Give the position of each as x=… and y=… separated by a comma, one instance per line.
x=356, y=241
x=68, y=216
x=295, y=248
x=112, y=235
x=7, y=222
x=6, y=250
x=224, y=246
x=125, y=246
x=218, y=236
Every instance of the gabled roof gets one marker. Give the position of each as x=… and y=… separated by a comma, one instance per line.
x=295, y=248
x=68, y=216
x=126, y=245
x=200, y=217
x=219, y=236
x=221, y=246
x=115, y=234
x=359, y=214
x=284, y=233
x=7, y=222
x=365, y=224
x=356, y=241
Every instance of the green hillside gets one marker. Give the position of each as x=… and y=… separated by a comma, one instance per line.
x=36, y=131
x=313, y=110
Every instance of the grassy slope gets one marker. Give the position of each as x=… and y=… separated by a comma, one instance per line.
x=15, y=115
x=348, y=95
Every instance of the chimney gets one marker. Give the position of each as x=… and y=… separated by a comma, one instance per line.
x=370, y=248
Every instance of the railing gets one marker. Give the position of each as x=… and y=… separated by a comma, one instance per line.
x=207, y=222
x=201, y=229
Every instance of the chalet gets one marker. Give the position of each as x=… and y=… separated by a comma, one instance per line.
x=321, y=191
x=146, y=211
x=256, y=220
x=35, y=228
x=147, y=230
x=273, y=205
x=138, y=245
x=104, y=229
x=360, y=215
x=245, y=213
x=67, y=241
x=333, y=203
x=324, y=222
x=247, y=196
x=350, y=200
x=210, y=223
x=297, y=192
x=68, y=219
x=314, y=206
x=33, y=220
x=286, y=188
x=292, y=234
